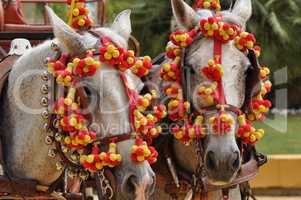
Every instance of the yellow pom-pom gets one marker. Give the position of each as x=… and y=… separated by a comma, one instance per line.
x=116, y=54
x=67, y=140
x=73, y=121
x=99, y=165
x=108, y=56
x=147, y=58
x=75, y=12
x=140, y=158
x=81, y=22
x=90, y=158
x=253, y=138
x=87, y=139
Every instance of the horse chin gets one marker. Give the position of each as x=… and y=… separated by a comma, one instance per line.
x=219, y=182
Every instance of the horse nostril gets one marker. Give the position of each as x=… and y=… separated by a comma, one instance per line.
x=130, y=185
x=236, y=162
x=210, y=160
x=152, y=185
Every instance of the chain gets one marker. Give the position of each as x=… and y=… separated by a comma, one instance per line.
x=105, y=186
x=198, y=185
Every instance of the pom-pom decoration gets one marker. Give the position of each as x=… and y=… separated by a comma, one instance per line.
x=214, y=71
x=208, y=94
x=226, y=32
x=64, y=106
x=259, y=107
x=79, y=139
x=57, y=65
x=245, y=41
x=78, y=16
x=172, y=50
x=257, y=50
x=264, y=73
x=87, y=66
x=142, y=66
x=110, y=54
x=266, y=87
x=178, y=109
x=170, y=72
x=142, y=152
x=207, y=4
x=182, y=39
x=190, y=132
x=209, y=27
x=222, y=123
x=128, y=61
x=173, y=90
x=247, y=133
x=97, y=161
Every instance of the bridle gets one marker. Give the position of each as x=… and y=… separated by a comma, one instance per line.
x=105, y=180
x=182, y=182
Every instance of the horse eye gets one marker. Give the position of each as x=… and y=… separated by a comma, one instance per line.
x=88, y=91
x=27, y=47
x=15, y=47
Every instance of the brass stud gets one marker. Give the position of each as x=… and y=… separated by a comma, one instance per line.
x=58, y=137
x=45, y=126
x=56, y=123
x=44, y=89
x=65, y=149
x=52, y=153
x=44, y=101
x=49, y=140
x=45, y=115
x=45, y=76
x=59, y=165
x=71, y=173
x=46, y=61
x=74, y=156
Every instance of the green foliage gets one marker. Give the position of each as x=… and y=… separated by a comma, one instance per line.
x=286, y=142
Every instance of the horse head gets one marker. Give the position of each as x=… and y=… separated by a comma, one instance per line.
x=108, y=100
x=222, y=156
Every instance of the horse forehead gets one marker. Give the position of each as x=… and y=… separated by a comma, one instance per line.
x=203, y=50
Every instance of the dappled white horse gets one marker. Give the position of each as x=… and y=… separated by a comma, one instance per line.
x=222, y=157
x=21, y=124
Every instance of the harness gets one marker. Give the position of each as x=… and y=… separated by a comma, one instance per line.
x=177, y=181
x=173, y=179
x=103, y=180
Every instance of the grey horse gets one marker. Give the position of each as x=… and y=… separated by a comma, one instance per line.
x=221, y=153
x=21, y=124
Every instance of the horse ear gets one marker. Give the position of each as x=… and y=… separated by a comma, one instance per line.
x=65, y=34
x=184, y=14
x=243, y=10
x=122, y=24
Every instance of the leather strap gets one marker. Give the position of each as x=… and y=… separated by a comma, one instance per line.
x=6, y=65
x=165, y=181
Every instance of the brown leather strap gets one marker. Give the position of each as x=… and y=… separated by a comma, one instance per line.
x=5, y=67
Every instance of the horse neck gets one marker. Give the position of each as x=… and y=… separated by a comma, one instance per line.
x=22, y=124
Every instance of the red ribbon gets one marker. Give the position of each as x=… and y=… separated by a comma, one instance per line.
x=217, y=52
x=131, y=95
